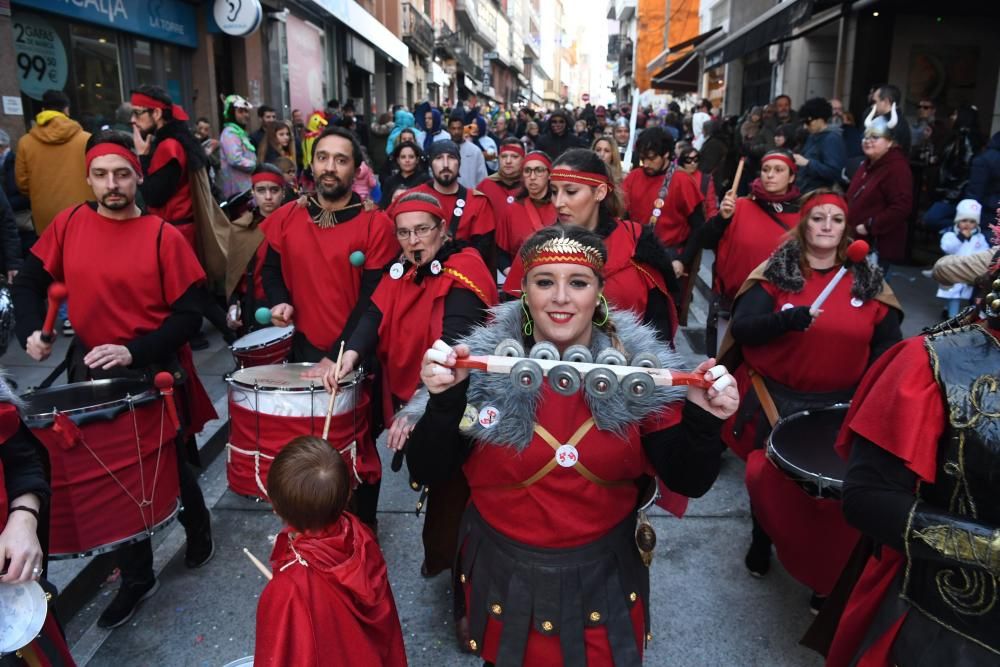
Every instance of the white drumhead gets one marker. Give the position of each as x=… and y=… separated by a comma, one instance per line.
x=242, y=662
x=23, y=608
x=261, y=337
x=279, y=389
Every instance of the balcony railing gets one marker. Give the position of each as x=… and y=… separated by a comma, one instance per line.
x=418, y=33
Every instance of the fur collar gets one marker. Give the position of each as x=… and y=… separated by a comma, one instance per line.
x=784, y=272
x=515, y=428
x=7, y=394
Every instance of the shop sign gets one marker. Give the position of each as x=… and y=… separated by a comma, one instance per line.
x=41, y=57
x=166, y=20
x=238, y=18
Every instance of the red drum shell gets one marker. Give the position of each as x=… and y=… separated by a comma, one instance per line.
x=248, y=353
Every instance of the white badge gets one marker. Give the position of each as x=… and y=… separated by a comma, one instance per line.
x=396, y=271
x=778, y=208
x=656, y=213
x=435, y=267
x=489, y=416
x=458, y=211
x=469, y=417
x=510, y=199
x=856, y=302
x=567, y=456
x=460, y=203
x=787, y=306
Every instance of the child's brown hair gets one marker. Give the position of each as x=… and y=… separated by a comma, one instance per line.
x=308, y=483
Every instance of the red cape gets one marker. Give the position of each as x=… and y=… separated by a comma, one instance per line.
x=520, y=220
x=683, y=197
x=750, y=238
x=337, y=610
x=477, y=217
x=498, y=195
x=179, y=207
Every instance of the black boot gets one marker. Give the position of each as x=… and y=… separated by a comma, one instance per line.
x=758, y=558
x=123, y=607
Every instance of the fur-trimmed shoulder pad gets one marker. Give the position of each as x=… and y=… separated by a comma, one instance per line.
x=784, y=272
x=614, y=413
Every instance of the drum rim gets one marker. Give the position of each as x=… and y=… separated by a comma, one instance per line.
x=250, y=348
x=359, y=375
x=149, y=394
x=38, y=593
x=820, y=480
x=107, y=548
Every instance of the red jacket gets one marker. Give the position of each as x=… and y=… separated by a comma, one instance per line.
x=881, y=197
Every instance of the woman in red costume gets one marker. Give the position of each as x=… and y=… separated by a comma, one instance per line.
x=436, y=290
x=638, y=272
x=531, y=210
x=554, y=475
x=746, y=231
x=804, y=360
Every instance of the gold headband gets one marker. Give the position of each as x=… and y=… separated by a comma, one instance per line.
x=564, y=251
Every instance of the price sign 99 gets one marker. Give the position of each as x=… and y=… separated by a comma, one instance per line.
x=32, y=65
x=41, y=56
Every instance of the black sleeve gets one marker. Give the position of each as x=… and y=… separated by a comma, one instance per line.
x=878, y=493
x=364, y=338
x=755, y=322
x=712, y=231
x=24, y=466
x=369, y=281
x=650, y=250
x=691, y=247
x=462, y=311
x=687, y=457
x=660, y=314
x=11, y=239
x=504, y=259
x=158, y=187
x=887, y=333
x=183, y=322
x=487, y=247
x=436, y=448
x=28, y=293
x=272, y=278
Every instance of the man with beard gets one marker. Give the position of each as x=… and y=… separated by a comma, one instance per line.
x=324, y=260
x=886, y=99
x=472, y=167
x=559, y=138
x=503, y=187
x=137, y=292
x=238, y=156
x=471, y=218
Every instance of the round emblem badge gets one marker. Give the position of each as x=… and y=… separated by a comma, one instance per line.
x=787, y=306
x=658, y=203
x=656, y=213
x=567, y=456
x=510, y=199
x=460, y=203
x=469, y=417
x=396, y=271
x=778, y=208
x=435, y=267
x=489, y=417
x=856, y=302
x=458, y=211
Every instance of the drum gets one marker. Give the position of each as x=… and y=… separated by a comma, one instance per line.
x=801, y=446
x=271, y=405
x=113, y=459
x=242, y=662
x=23, y=608
x=270, y=345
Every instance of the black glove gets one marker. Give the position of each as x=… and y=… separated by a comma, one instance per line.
x=796, y=319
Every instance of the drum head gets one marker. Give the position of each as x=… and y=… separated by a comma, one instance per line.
x=284, y=377
x=80, y=398
x=23, y=608
x=263, y=337
x=801, y=444
x=242, y=662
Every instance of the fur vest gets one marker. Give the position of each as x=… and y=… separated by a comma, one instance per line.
x=784, y=272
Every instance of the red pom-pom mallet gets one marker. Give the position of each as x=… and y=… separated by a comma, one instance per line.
x=164, y=381
x=57, y=294
x=856, y=253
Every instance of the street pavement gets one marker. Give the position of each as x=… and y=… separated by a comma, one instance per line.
x=706, y=609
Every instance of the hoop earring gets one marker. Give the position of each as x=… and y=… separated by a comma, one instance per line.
x=607, y=312
x=529, y=325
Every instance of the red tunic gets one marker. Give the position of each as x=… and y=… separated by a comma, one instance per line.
x=899, y=407
x=626, y=281
x=810, y=535
x=122, y=283
x=683, y=197
x=179, y=207
x=520, y=220
x=336, y=609
x=477, y=216
x=563, y=508
x=258, y=281
x=498, y=195
x=316, y=265
x=750, y=238
x=413, y=314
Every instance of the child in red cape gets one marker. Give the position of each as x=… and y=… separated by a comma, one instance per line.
x=329, y=602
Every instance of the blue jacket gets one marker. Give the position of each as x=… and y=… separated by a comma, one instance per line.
x=984, y=180
x=827, y=157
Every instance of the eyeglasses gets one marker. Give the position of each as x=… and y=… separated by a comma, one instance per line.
x=420, y=232
x=873, y=137
x=138, y=112
x=689, y=159
x=534, y=171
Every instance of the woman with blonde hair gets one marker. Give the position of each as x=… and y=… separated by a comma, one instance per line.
x=607, y=150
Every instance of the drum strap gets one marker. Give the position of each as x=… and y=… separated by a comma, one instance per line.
x=764, y=396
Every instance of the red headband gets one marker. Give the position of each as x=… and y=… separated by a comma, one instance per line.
x=581, y=177
x=822, y=200
x=267, y=177
x=781, y=157
x=538, y=156
x=512, y=148
x=415, y=204
x=147, y=102
x=108, y=148
x=564, y=251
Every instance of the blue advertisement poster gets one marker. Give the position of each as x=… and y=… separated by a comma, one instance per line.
x=166, y=20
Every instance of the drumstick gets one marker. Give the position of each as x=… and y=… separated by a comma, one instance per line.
x=661, y=376
x=738, y=176
x=57, y=294
x=333, y=394
x=260, y=566
x=164, y=381
x=856, y=253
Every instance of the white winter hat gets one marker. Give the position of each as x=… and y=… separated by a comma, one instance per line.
x=968, y=209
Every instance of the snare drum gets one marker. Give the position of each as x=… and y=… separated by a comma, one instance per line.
x=801, y=446
x=270, y=345
x=23, y=608
x=271, y=405
x=114, y=463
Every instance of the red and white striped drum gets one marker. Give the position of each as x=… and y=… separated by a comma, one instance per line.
x=263, y=347
x=271, y=405
x=114, y=463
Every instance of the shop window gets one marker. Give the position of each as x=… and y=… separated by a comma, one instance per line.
x=95, y=87
x=142, y=57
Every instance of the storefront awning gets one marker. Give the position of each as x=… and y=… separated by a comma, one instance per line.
x=438, y=76
x=367, y=26
x=769, y=27
x=680, y=75
x=669, y=54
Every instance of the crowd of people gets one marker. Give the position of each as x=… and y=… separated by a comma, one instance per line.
x=414, y=244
